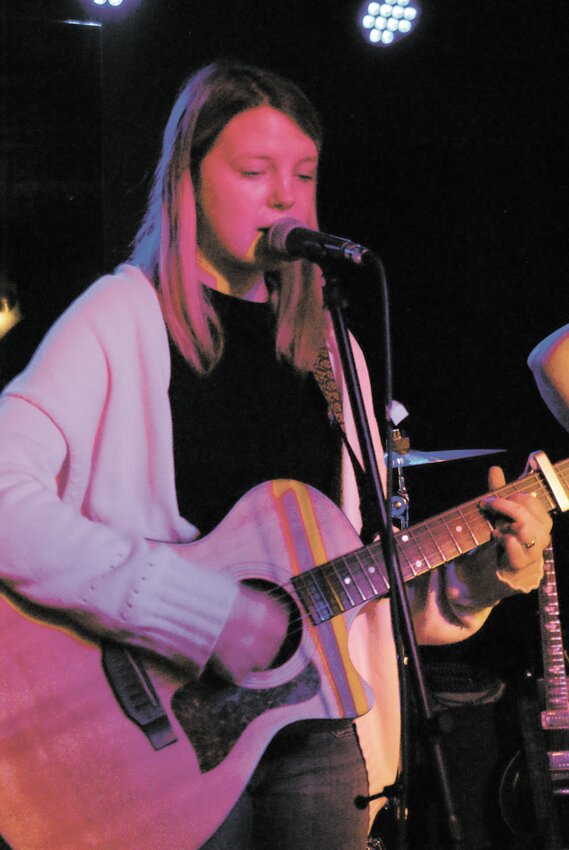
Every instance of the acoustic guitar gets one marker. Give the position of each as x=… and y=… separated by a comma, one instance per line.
x=76, y=772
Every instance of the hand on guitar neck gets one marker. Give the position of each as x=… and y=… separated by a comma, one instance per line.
x=522, y=528
x=252, y=636
x=521, y=532
x=257, y=623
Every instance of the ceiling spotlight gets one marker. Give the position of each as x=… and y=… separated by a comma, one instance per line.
x=10, y=313
x=385, y=23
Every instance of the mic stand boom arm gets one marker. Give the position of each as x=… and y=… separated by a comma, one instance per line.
x=401, y=613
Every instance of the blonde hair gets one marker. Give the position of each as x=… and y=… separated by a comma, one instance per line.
x=165, y=246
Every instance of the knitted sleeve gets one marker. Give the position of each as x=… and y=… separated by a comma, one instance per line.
x=57, y=546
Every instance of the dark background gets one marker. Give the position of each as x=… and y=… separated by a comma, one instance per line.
x=446, y=153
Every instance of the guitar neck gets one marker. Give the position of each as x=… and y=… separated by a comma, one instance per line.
x=360, y=576
x=556, y=714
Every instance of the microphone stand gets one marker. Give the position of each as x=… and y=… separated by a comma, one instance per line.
x=406, y=644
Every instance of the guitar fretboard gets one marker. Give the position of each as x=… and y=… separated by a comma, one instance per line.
x=556, y=714
x=360, y=576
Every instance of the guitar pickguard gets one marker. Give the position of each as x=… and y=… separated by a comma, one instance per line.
x=214, y=713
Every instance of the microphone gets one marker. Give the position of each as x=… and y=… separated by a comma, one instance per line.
x=291, y=240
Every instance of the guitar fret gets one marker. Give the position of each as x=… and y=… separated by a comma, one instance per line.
x=451, y=532
x=466, y=533
x=336, y=605
x=361, y=578
x=322, y=603
x=316, y=604
x=564, y=479
x=428, y=555
x=422, y=559
x=445, y=540
x=544, y=495
x=410, y=552
x=355, y=584
x=440, y=557
x=373, y=569
x=345, y=582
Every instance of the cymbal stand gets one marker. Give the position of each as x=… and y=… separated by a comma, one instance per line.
x=400, y=498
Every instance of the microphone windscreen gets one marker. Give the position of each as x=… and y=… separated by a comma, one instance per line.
x=279, y=232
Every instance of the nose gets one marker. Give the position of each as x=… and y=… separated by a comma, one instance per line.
x=282, y=193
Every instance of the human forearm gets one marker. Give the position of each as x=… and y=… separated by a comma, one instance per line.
x=549, y=362
x=108, y=580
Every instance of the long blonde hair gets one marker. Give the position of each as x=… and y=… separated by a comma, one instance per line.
x=165, y=246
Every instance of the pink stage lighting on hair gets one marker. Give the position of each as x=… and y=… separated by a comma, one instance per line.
x=382, y=24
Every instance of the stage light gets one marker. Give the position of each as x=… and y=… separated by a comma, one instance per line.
x=10, y=313
x=105, y=10
x=9, y=316
x=383, y=24
x=83, y=23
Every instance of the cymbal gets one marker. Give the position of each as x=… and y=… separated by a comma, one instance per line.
x=416, y=458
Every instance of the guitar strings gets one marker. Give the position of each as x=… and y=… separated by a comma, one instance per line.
x=419, y=536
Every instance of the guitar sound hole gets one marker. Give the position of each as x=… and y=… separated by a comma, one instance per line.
x=294, y=634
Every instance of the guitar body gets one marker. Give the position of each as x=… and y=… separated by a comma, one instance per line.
x=75, y=772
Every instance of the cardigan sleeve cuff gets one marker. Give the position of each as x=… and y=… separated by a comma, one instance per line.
x=178, y=609
x=172, y=606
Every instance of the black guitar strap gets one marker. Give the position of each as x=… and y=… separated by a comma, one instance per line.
x=135, y=693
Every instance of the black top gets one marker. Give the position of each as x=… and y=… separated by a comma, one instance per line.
x=254, y=418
